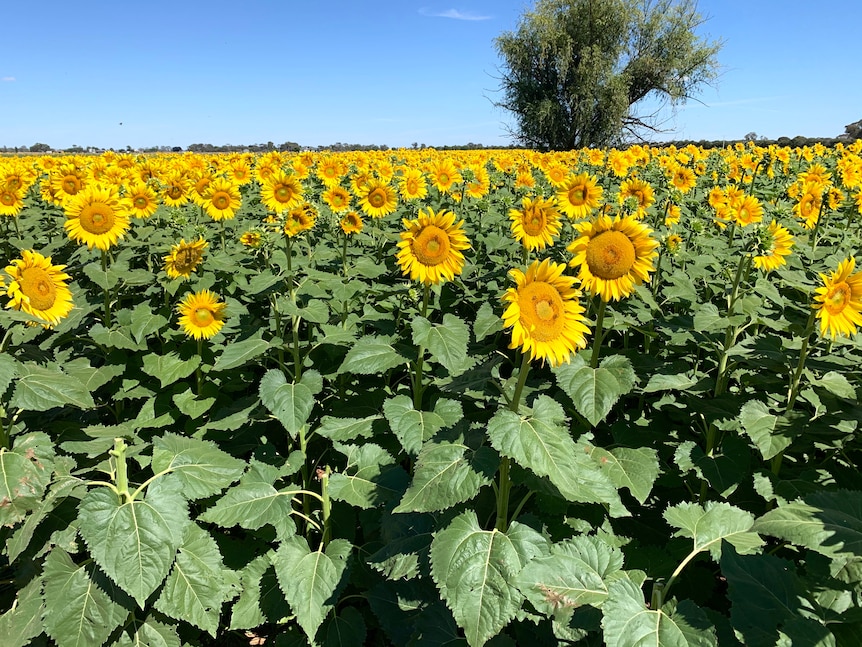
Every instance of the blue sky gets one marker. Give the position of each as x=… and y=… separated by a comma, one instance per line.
x=394, y=72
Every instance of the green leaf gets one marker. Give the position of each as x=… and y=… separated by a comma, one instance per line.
x=7, y=372
x=541, y=443
x=40, y=389
x=829, y=523
x=708, y=524
x=117, y=337
x=23, y=621
x=347, y=629
x=201, y=467
x=764, y=593
x=675, y=382
x=311, y=580
x=447, y=474
x=594, y=391
x=486, y=322
x=239, y=353
x=79, y=611
x=476, y=570
x=170, y=368
x=145, y=322
x=627, y=622
x=635, y=469
x=252, y=504
x=414, y=427
x=147, y=633
x=371, y=355
x=135, y=542
x=24, y=476
x=199, y=583
x=370, y=479
x=447, y=342
x=290, y=403
x=836, y=384
x=191, y=405
x=573, y=575
x=345, y=429
x=771, y=434
x=707, y=318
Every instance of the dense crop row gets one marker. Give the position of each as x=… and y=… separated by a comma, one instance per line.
x=424, y=398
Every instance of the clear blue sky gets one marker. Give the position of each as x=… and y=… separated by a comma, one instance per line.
x=392, y=72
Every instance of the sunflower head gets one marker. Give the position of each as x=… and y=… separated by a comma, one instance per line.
x=839, y=300
x=579, y=195
x=39, y=288
x=184, y=258
x=431, y=245
x=536, y=223
x=544, y=312
x=351, y=223
x=95, y=217
x=201, y=314
x=613, y=255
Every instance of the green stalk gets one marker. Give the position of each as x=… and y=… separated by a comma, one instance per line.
x=344, y=256
x=504, y=487
x=599, y=334
x=198, y=375
x=107, y=291
x=122, y=476
x=418, y=387
x=326, y=506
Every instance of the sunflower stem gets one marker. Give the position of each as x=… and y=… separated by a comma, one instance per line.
x=107, y=290
x=122, y=475
x=198, y=374
x=599, y=334
x=303, y=446
x=344, y=256
x=793, y=392
x=418, y=387
x=326, y=505
x=504, y=487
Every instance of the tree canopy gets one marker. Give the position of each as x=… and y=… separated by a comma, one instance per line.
x=576, y=72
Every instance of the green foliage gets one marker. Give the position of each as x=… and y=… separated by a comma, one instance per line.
x=576, y=73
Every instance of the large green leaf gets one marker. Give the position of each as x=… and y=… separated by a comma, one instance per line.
x=370, y=479
x=771, y=434
x=476, y=572
x=201, y=467
x=413, y=427
x=135, y=542
x=147, y=633
x=80, y=607
x=628, y=622
x=254, y=503
x=290, y=403
x=446, y=341
x=347, y=629
x=445, y=474
x=23, y=622
x=239, y=353
x=24, y=474
x=541, y=443
x=311, y=580
x=345, y=429
x=594, y=391
x=575, y=573
x=39, y=388
x=635, y=469
x=170, y=368
x=199, y=583
x=713, y=522
x=7, y=372
x=371, y=355
x=145, y=322
x=827, y=522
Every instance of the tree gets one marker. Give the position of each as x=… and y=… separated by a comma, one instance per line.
x=854, y=130
x=576, y=72
x=39, y=147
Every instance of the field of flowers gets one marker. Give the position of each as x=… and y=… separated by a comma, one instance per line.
x=602, y=397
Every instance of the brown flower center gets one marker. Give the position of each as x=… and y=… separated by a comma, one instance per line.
x=377, y=198
x=38, y=287
x=837, y=298
x=97, y=218
x=542, y=310
x=610, y=255
x=431, y=246
x=221, y=200
x=203, y=317
x=577, y=196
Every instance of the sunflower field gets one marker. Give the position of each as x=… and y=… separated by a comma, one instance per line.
x=420, y=398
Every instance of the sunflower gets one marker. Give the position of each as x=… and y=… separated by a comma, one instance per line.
x=95, y=217
x=614, y=255
x=201, y=314
x=11, y=201
x=140, y=200
x=378, y=198
x=808, y=207
x=280, y=192
x=672, y=243
x=39, y=288
x=579, y=195
x=839, y=300
x=351, y=223
x=175, y=187
x=412, y=184
x=536, y=224
x=251, y=239
x=640, y=193
x=777, y=243
x=338, y=198
x=444, y=174
x=746, y=210
x=683, y=178
x=299, y=219
x=184, y=258
x=222, y=198
x=430, y=248
x=544, y=313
